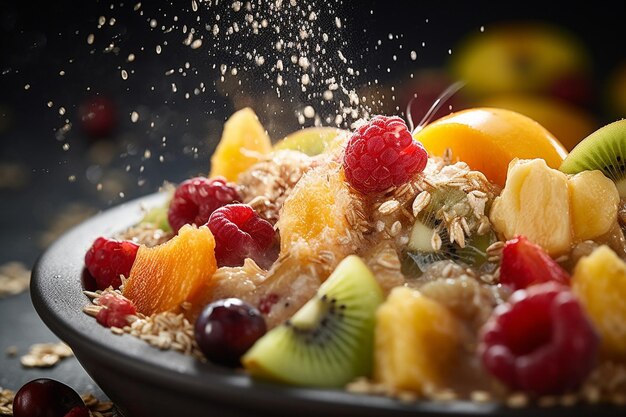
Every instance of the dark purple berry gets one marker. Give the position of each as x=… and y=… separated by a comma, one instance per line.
x=48, y=398
x=226, y=329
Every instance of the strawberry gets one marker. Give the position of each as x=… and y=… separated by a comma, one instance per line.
x=525, y=263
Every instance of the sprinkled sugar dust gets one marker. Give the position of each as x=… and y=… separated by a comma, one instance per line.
x=297, y=63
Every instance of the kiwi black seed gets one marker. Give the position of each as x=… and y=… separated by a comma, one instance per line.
x=605, y=150
x=329, y=341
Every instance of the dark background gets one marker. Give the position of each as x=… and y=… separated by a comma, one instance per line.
x=45, y=188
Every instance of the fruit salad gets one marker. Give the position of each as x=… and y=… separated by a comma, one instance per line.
x=472, y=258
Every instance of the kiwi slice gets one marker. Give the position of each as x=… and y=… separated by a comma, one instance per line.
x=604, y=149
x=420, y=254
x=329, y=341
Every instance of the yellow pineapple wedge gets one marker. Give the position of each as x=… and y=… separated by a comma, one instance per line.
x=417, y=342
x=594, y=201
x=244, y=142
x=534, y=203
x=599, y=281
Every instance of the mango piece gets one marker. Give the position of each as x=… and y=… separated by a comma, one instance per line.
x=594, y=202
x=313, y=140
x=315, y=214
x=534, y=203
x=488, y=139
x=599, y=281
x=244, y=142
x=417, y=341
x=177, y=271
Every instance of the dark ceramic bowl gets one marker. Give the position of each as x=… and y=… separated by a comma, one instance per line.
x=144, y=381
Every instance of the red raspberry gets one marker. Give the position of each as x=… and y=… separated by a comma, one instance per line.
x=107, y=259
x=540, y=341
x=116, y=310
x=241, y=233
x=525, y=263
x=382, y=154
x=196, y=198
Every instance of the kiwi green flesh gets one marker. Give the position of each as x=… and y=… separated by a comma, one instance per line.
x=329, y=341
x=157, y=216
x=604, y=150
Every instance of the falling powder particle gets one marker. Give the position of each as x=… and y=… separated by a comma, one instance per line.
x=131, y=57
x=27, y=87
x=153, y=23
x=338, y=22
x=158, y=49
x=413, y=55
x=309, y=112
x=61, y=111
x=66, y=146
x=90, y=39
x=124, y=75
x=134, y=117
x=196, y=44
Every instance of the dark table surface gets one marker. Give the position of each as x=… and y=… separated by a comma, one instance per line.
x=47, y=69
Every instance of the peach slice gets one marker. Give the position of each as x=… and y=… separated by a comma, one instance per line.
x=177, y=271
x=487, y=139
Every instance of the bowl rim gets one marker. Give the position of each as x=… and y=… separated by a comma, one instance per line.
x=56, y=292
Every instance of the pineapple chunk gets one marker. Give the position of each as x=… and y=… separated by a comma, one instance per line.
x=599, y=281
x=594, y=201
x=534, y=203
x=244, y=143
x=553, y=210
x=417, y=342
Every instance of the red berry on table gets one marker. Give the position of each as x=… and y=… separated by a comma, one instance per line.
x=107, y=259
x=382, y=154
x=98, y=116
x=525, y=263
x=226, y=329
x=115, y=311
x=241, y=233
x=45, y=397
x=196, y=198
x=540, y=341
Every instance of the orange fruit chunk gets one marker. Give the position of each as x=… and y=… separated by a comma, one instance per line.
x=488, y=139
x=315, y=213
x=244, y=142
x=177, y=271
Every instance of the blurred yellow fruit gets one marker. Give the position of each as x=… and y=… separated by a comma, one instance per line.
x=243, y=144
x=517, y=57
x=417, y=342
x=487, y=139
x=594, y=201
x=313, y=140
x=616, y=91
x=568, y=123
x=599, y=281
